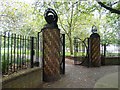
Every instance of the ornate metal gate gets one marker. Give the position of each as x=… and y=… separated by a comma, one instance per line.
x=81, y=52
x=62, y=53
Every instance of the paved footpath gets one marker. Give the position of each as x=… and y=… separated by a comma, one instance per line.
x=77, y=76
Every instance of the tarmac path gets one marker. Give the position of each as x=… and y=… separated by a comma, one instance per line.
x=77, y=76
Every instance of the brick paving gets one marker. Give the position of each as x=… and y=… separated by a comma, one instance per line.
x=78, y=76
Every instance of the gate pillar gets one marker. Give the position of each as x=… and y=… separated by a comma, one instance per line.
x=51, y=47
x=95, y=58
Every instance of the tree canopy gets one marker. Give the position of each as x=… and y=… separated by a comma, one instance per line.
x=75, y=18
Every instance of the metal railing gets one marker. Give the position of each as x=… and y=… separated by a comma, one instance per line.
x=16, y=52
x=110, y=50
x=80, y=50
x=62, y=53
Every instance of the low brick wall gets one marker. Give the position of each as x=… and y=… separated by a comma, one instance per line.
x=112, y=61
x=29, y=78
x=104, y=61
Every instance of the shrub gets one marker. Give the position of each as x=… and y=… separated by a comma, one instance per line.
x=4, y=64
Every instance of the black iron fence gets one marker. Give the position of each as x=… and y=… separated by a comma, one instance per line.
x=109, y=53
x=110, y=50
x=62, y=53
x=17, y=52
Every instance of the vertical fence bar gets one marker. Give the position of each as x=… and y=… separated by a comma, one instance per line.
x=37, y=50
x=63, y=53
x=88, y=51
x=0, y=53
x=104, y=56
x=28, y=55
x=82, y=46
x=20, y=51
x=38, y=47
x=79, y=48
x=11, y=52
x=4, y=64
x=40, y=50
x=29, y=44
x=32, y=51
x=14, y=50
x=8, y=52
x=104, y=50
x=17, y=50
x=25, y=52
x=75, y=53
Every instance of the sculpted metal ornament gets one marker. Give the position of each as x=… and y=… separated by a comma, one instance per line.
x=94, y=29
x=51, y=17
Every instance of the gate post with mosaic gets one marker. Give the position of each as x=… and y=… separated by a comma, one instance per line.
x=51, y=47
x=95, y=58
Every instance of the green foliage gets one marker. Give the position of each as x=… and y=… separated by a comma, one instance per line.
x=75, y=19
x=110, y=34
x=19, y=17
x=67, y=54
x=4, y=64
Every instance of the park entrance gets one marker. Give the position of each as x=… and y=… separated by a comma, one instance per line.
x=87, y=51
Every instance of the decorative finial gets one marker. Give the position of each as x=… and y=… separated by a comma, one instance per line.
x=51, y=16
x=94, y=29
